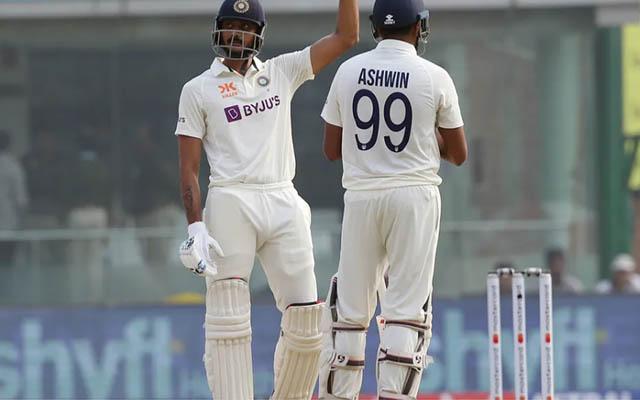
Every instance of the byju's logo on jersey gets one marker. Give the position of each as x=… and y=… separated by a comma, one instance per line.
x=235, y=113
x=228, y=90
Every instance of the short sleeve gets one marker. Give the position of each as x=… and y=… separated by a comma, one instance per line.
x=191, y=121
x=331, y=111
x=449, y=115
x=296, y=67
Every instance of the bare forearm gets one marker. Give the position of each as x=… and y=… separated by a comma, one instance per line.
x=348, y=21
x=189, y=150
x=444, y=153
x=329, y=48
x=191, y=199
x=452, y=145
x=332, y=142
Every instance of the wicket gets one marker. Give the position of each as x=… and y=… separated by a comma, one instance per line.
x=520, y=332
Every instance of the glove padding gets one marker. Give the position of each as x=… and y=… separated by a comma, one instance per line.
x=195, y=252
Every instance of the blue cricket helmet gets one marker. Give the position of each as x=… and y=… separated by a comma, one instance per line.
x=397, y=14
x=244, y=10
x=247, y=10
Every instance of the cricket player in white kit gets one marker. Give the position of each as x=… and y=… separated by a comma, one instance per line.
x=239, y=110
x=391, y=116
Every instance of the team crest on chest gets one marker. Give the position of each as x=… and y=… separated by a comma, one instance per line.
x=263, y=81
x=241, y=6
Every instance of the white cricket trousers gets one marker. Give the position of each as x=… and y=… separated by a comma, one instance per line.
x=272, y=223
x=395, y=227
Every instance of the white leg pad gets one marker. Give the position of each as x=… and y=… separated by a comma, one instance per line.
x=402, y=357
x=227, y=356
x=298, y=352
x=342, y=359
x=343, y=363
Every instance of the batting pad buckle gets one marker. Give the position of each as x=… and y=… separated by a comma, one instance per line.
x=346, y=362
x=417, y=360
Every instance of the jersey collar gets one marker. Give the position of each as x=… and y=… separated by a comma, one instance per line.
x=218, y=68
x=397, y=45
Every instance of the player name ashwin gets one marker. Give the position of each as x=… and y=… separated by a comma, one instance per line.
x=384, y=78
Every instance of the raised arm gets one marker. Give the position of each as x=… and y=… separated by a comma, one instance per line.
x=329, y=48
x=190, y=150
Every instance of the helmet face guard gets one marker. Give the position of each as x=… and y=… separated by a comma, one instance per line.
x=239, y=44
x=247, y=44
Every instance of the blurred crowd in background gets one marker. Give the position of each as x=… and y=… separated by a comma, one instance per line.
x=89, y=202
x=624, y=277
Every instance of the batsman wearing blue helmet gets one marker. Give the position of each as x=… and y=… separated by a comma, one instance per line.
x=391, y=116
x=239, y=111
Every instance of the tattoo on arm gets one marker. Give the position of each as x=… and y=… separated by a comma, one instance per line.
x=187, y=198
x=191, y=202
x=189, y=155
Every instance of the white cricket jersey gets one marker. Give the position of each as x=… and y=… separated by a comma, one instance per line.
x=245, y=121
x=388, y=102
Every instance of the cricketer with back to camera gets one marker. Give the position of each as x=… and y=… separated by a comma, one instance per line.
x=391, y=116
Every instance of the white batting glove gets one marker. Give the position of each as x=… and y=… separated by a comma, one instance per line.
x=195, y=252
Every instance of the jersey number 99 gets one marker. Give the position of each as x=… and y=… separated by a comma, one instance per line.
x=374, y=121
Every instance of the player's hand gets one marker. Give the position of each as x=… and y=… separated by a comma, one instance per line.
x=195, y=252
